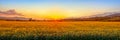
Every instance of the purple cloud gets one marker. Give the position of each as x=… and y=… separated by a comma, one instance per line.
x=10, y=13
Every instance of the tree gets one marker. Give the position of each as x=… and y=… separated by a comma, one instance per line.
x=30, y=19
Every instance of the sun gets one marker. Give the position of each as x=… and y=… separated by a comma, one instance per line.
x=55, y=14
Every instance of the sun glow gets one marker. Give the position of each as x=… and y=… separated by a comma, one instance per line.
x=55, y=14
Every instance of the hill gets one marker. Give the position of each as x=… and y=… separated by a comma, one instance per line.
x=108, y=16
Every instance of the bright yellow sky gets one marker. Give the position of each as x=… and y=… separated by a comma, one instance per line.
x=51, y=13
x=58, y=13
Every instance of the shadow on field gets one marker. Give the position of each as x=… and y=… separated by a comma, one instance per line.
x=64, y=37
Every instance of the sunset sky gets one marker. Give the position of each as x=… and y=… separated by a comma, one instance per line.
x=58, y=9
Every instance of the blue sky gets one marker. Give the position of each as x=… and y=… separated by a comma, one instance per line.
x=40, y=3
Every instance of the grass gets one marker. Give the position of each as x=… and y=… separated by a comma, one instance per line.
x=86, y=30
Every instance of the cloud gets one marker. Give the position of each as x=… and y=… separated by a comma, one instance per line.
x=10, y=13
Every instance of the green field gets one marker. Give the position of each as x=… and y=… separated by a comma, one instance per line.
x=82, y=30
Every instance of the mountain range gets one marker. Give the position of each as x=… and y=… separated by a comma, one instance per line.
x=108, y=16
x=13, y=18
